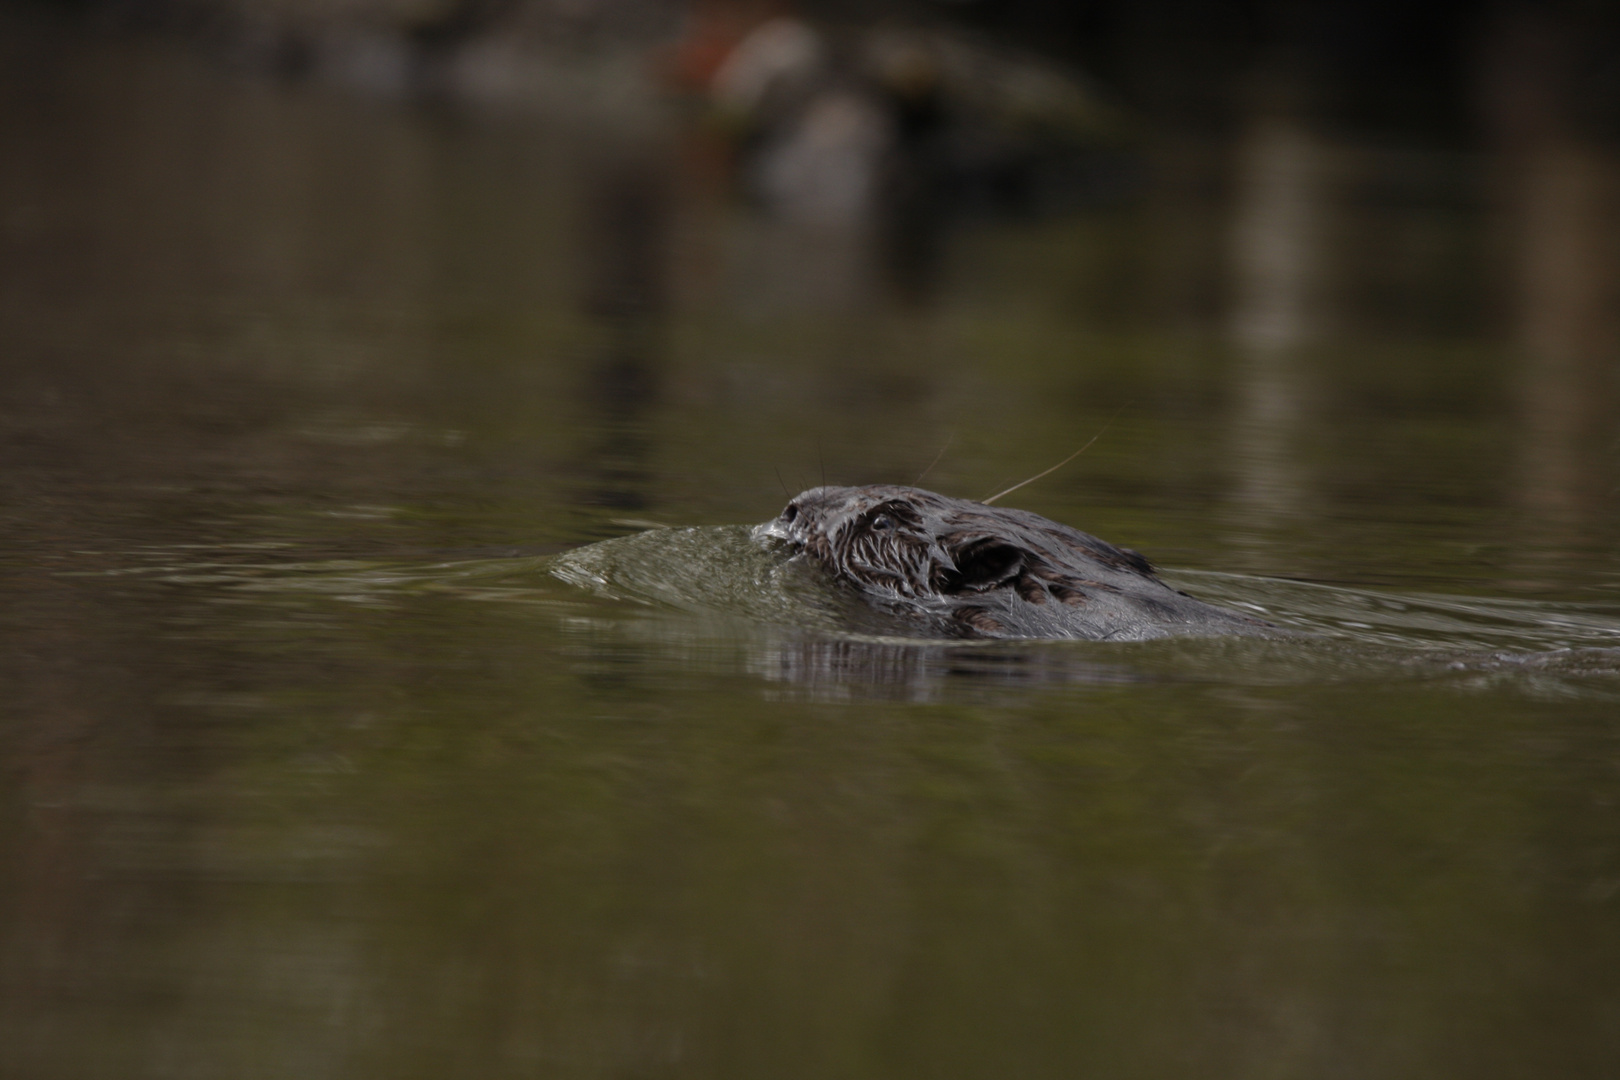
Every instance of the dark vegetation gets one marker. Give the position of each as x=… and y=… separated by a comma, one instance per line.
x=1434, y=67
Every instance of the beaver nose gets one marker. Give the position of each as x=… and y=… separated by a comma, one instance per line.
x=781, y=526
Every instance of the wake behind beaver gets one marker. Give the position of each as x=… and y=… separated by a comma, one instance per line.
x=962, y=569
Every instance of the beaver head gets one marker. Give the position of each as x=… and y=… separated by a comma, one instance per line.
x=905, y=540
x=986, y=570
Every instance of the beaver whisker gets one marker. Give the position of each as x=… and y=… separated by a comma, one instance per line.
x=1047, y=472
x=948, y=440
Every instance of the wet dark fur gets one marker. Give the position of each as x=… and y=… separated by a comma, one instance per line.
x=957, y=568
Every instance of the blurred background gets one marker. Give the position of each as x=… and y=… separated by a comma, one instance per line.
x=303, y=302
x=1319, y=258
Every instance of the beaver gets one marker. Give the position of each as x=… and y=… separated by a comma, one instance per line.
x=958, y=568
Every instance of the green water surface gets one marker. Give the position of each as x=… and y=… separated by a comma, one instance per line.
x=311, y=766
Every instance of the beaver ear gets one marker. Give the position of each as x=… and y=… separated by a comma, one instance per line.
x=981, y=564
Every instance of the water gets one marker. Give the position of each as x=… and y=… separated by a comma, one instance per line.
x=315, y=766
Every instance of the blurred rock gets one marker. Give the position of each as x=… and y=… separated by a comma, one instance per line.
x=589, y=54
x=856, y=123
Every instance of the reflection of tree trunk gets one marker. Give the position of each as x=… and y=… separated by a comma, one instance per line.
x=1559, y=201
x=627, y=221
x=1563, y=279
x=46, y=890
x=1275, y=260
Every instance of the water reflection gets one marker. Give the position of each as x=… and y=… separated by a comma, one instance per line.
x=876, y=139
x=1566, y=213
x=840, y=670
x=289, y=790
x=1277, y=254
x=1559, y=188
x=624, y=248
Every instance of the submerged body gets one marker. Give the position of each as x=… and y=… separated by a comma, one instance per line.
x=957, y=568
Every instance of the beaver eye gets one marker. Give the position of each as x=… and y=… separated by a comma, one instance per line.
x=790, y=513
x=881, y=523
